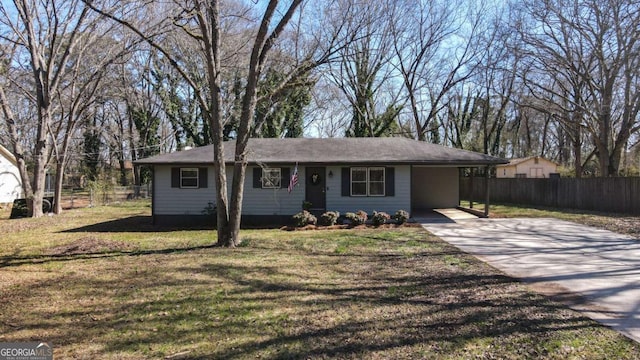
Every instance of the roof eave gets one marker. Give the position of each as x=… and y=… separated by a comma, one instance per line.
x=458, y=163
x=8, y=155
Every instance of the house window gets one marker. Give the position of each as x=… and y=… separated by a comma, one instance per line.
x=368, y=181
x=376, y=181
x=521, y=175
x=189, y=178
x=271, y=178
x=358, y=181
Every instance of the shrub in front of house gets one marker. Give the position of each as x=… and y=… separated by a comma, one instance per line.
x=401, y=216
x=362, y=215
x=304, y=218
x=210, y=209
x=357, y=218
x=379, y=218
x=329, y=218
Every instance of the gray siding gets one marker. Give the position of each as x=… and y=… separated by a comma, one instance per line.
x=258, y=201
x=388, y=204
x=176, y=201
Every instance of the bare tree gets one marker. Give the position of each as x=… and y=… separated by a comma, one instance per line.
x=496, y=80
x=96, y=52
x=586, y=54
x=203, y=22
x=11, y=119
x=436, y=48
x=364, y=73
x=458, y=123
x=46, y=33
x=328, y=115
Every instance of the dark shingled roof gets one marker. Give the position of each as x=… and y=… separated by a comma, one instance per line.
x=389, y=150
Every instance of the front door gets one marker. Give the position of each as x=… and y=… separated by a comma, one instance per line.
x=315, y=183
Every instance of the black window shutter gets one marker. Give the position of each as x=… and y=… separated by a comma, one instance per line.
x=257, y=175
x=284, y=177
x=346, y=181
x=202, y=177
x=389, y=182
x=175, y=177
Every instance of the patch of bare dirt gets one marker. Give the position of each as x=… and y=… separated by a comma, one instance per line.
x=621, y=224
x=89, y=245
x=75, y=202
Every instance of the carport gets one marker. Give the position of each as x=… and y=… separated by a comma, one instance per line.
x=438, y=187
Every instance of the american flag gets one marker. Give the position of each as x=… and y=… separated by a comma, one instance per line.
x=294, y=179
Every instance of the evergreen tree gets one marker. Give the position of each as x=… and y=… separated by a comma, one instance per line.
x=147, y=126
x=91, y=147
x=282, y=116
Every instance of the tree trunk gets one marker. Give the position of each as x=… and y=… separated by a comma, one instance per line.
x=123, y=172
x=235, y=212
x=576, y=142
x=614, y=161
x=222, y=221
x=39, y=171
x=35, y=201
x=603, y=158
x=57, y=197
x=577, y=155
x=134, y=156
x=414, y=107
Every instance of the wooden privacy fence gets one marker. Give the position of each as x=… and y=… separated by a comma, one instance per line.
x=618, y=194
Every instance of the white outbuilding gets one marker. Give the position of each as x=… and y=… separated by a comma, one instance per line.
x=10, y=182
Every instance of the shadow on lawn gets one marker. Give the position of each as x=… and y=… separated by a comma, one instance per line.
x=17, y=260
x=370, y=305
x=140, y=223
x=443, y=314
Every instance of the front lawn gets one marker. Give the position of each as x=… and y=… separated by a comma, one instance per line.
x=103, y=283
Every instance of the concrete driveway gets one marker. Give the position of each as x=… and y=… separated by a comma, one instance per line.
x=600, y=266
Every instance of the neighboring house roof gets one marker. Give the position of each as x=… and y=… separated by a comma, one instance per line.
x=334, y=151
x=8, y=155
x=517, y=161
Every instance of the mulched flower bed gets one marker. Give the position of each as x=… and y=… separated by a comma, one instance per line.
x=342, y=227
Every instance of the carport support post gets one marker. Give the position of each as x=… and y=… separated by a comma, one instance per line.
x=486, y=191
x=471, y=189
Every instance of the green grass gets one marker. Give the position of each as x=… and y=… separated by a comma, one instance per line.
x=103, y=283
